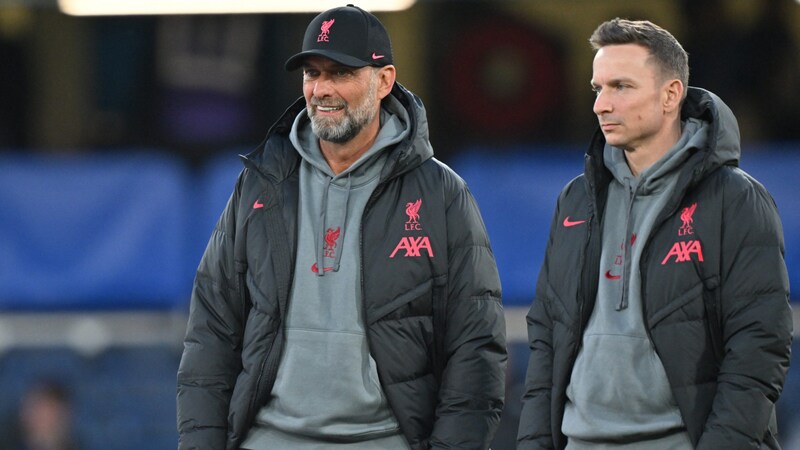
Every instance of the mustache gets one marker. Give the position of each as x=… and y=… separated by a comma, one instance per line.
x=328, y=104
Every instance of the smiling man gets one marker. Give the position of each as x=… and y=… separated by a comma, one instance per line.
x=661, y=319
x=348, y=297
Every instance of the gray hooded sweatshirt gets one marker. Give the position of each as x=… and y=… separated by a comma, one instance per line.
x=619, y=396
x=327, y=394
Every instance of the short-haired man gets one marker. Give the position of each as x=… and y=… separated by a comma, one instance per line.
x=348, y=297
x=661, y=319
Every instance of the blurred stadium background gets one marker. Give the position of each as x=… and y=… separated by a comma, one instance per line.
x=118, y=149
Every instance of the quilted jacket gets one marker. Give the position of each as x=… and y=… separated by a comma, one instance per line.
x=714, y=287
x=431, y=297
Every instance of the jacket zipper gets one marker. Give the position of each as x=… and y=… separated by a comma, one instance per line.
x=590, y=257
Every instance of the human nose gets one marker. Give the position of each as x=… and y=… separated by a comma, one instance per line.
x=322, y=86
x=601, y=104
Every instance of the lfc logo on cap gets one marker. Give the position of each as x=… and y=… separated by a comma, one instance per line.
x=325, y=28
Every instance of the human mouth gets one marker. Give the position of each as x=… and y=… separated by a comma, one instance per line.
x=608, y=126
x=325, y=109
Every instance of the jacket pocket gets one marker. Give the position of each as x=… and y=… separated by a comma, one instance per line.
x=711, y=301
x=417, y=301
x=687, y=306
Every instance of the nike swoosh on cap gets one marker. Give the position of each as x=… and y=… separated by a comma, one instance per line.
x=374, y=56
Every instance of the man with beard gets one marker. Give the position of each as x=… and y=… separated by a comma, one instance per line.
x=348, y=296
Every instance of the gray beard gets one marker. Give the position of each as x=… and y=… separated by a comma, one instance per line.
x=347, y=129
x=353, y=122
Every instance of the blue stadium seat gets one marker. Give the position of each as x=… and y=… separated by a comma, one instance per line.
x=517, y=192
x=94, y=231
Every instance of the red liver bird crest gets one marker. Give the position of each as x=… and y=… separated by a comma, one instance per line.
x=412, y=210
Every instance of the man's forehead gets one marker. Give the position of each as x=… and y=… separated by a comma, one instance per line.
x=628, y=55
x=620, y=61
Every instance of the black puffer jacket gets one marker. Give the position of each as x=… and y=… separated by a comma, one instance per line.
x=714, y=287
x=445, y=387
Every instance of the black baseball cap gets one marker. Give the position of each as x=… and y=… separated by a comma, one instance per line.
x=348, y=35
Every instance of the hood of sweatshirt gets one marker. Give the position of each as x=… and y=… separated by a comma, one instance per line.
x=723, y=146
x=276, y=158
x=394, y=127
x=694, y=135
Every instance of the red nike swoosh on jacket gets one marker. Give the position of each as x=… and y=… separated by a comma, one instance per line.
x=572, y=223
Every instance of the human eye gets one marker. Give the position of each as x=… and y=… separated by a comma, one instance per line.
x=343, y=72
x=621, y=87
x=596, y=89
x=309, y=73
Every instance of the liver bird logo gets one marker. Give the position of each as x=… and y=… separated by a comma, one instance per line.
x=331, y=236
x=412, y=210
x=325, y=28
x=686, y=217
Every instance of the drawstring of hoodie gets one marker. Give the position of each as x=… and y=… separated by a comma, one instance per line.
x=320, y=241
x=627, y=243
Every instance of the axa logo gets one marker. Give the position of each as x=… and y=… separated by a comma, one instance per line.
x=325, y=30
x=331, y=236
x=413, y=246
x=683, y=251
x=686, y=217
x=412, y=211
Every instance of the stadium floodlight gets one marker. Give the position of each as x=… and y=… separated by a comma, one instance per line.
x=166, y=7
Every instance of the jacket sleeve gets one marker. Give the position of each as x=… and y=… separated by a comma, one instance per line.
x=756, y=322
x=211, y=358
x=473, y=380
x=535, y=423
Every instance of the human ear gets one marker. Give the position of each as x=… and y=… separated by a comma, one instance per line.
x=386, y=78
x=672, y=95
